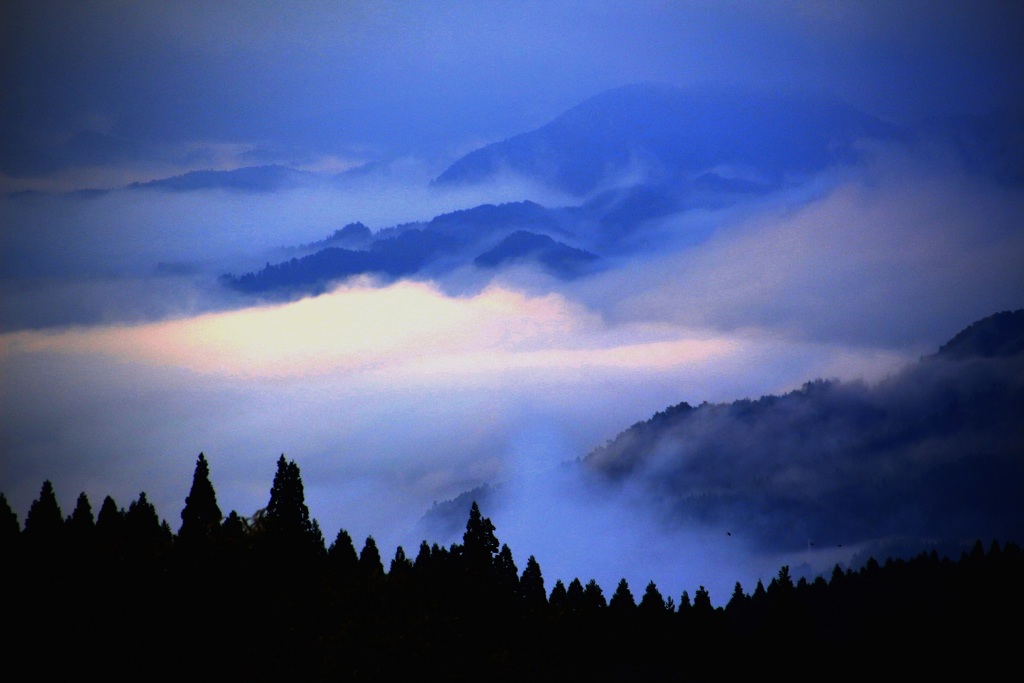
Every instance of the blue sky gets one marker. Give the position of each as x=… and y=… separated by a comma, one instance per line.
x=115, y=375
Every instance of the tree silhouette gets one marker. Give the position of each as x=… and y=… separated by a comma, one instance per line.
x=80, y=524
x=593, y=596
x=143, y=529
x=371, y=568
x=287, y=529
x=10, y=529
x=652, y=601
x=506, y=571
x=110, y=532
x=201, y=517
x=400, y=564
x=342, y=558
x=479, y=544
x=44, y=523
x=575, y=596
x=559, y=596
x=622, y=599
x=234, y=535
x=531, y=585
x=702, y=601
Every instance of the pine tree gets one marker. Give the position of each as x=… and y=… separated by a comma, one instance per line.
x=44, y=524
x=288, y=530
x=371, y=568
x=575, y=598
x=479, y=544
x=702, y=601
x=622, y=599
x=201, y=517
x=110, y=532
x=685, y=610
x=316, y=540
x=558, y=596
x=593, y=596
x=234, y=534
x=506, y=572
x=652, y=602
x=401, y=566
x=80, y=525
x=342, y=558
x=10, y=529
x=81, y=517
x=143, y=529
x=531, y=585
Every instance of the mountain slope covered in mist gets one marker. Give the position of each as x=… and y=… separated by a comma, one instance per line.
x=630, y=155
x=931, y=456
x=486, y=236
x=934, y=453
x=672, y=134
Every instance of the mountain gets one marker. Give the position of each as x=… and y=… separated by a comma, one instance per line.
x=559, y=258
x=488, y=237
x=248, y=179
x=668, y=134
x=634, y=156
x=999, y=335
x=932, y=455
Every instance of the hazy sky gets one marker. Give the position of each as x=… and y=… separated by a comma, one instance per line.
x=200, y=84
x=115, y=373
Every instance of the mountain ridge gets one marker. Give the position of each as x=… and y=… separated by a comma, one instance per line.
x=675, y=133
x=939, y=444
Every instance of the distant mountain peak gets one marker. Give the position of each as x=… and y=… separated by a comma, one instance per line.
x=247, y=179
x=522, y=245
x=669, y=132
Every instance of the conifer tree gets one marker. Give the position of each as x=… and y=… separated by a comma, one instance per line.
x=737, y=599
x=531, y=585
x=288, y=530
x=652, y=600
x=759, y=596
x=423, y=556
x=81, y=517
x=44, y=524
x=316, y=540
x=506, y=571
x=80, y=525
x=201, y=517
x=371, y=568
x=702, y=602
x=110, y=525
x=479, y=544
x=342, y=558
x=558, y=596
x=234, y=532
x=143, y=529
x=684, y=604
x=287, y=512
x=10, y=529
x=622, y=599
x=593, y=596
x=401, y=565
x=575, y=598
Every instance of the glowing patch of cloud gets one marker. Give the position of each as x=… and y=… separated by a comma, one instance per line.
x=407, y=329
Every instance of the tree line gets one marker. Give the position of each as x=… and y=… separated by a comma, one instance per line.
x=266, y=598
